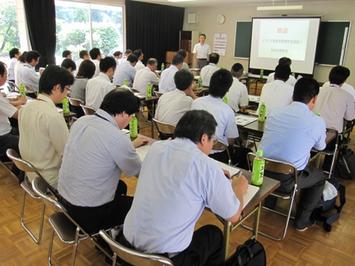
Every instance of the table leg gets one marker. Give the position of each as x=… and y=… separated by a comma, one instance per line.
x=226, y=233
x=256, y=222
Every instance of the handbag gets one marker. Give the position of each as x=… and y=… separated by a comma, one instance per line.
x=251, y=253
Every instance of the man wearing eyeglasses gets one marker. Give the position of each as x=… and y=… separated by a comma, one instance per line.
x=43, y=131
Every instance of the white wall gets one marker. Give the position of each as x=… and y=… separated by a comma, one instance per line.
x=328, y=10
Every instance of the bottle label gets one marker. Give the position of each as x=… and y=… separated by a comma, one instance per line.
x=258, y=172
x=149, y=90
x=66, y=109
x=133, y=127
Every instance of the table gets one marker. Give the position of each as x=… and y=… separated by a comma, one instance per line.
x=254, y=207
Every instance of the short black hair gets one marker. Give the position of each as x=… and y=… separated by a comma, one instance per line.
x=285, y=61
x=182, y=52
x=13, y=52
x=95, y=53
x=82, y=53
x=86, y=69
x=305, y=89
x=177, y=59
x=54, y=75
x=152, y=61
x=193, y=124
x=68, y=63
x=31, y=55
x=117, y=53
x=282, y=72
x=66, y=53
x=132, y=58
x=138, y=52
x=22, y=57
x=120, y=100
x=202, y=34
x=107, y=63
x=183, y=79
x=2, y=69
x=220, y=83
x=214, y=58
x=338, y=75
x=237, y=69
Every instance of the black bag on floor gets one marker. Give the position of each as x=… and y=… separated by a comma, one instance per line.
x=346, y=164
x=251, y=253
x=328, y=212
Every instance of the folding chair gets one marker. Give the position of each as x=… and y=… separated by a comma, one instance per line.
x=165, y=130
x=221, y=147
x=87, y=110
x=279, y=167
x=133, y=257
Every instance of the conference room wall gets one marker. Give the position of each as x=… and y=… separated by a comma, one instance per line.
x=328, y=10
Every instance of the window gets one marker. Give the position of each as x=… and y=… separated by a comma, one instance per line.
x=82, y=26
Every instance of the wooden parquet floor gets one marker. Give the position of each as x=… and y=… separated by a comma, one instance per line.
x=312, y=247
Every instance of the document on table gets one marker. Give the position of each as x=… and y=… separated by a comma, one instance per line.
x=249, y=195
x=142, y=151
x=243, y=120
x=232, y=170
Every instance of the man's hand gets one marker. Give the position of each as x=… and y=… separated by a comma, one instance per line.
x=20, y=100
x=240, y=185
x=140, y=141
x=227, y=174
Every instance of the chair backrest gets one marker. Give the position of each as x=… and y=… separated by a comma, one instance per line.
x=134, y=257
x=75, y=102
x=275, y=166
x=158, y=94
x=20, y=163
x=87, y=110
x=163, y=128
x=41, y=187
x=219, y=146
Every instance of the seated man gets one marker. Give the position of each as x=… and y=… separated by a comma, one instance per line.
x=83, y=55
x=14, y=55
x=95, y=55
x=207, y=71
x=335, y=104
x=8, y=109
x=69, y=65
x=227, y=130
x=290, y=134
x=146, y=75
x=96, y=155
x=43, y=131
x=237, y=96
x=291, y=79
x=170, y=199
x=98, y=87
x=174, y=104
x=277, y=93
x=27, y=73
x=125, y=72
x=166, y=82
x=140, y=57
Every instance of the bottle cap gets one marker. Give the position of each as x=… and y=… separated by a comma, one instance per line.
x=260, y=153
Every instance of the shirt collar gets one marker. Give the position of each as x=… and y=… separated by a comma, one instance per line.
x=212, y=64
x=28, y=65
x=45, y=98
x=300, y=105
x=173, y=67
x=106, y=115
x=104, y=76
x=185, y=142
x=214, y=98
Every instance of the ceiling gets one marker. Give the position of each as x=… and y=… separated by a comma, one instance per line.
x=214, y=2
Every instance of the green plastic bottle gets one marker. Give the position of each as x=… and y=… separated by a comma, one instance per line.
x=261, y=73
x=262, y=112
x=126, y=82
x=66, y=109
x=257, y=177
x=225, y=99
x=133, y=127
x=22, y=89
x=162, y=67
x=149, y=90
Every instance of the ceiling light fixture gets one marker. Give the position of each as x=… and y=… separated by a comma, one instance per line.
x=279, y=7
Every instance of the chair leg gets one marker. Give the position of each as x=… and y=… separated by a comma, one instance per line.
x=38, y=239
x=50, y=248
x=289, y=213
x=76, y=243
x=333, y=161
x=114, y=259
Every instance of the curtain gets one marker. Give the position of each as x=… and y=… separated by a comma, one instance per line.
x=40, y=16
x=153, y=28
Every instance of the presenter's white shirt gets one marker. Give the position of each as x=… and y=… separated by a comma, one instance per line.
x=276, y=94
x=201, y=51
x=237, y=95
x=207, y=72
x=291, y=79
x=141, y=79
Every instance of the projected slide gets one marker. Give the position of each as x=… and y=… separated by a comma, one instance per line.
x=295, y=38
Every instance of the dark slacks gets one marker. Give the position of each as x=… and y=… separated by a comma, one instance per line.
x=206, y=248
x=111, y=214
x=310, y=184
x=201, y=63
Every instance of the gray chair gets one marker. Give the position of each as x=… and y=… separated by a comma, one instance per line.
x=67, y=230
x=27, y=188
x=131, y=256
x=279, y=167
x=87, y=110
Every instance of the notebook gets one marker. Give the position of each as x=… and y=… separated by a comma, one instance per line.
x=251, y=191
x=243, y=120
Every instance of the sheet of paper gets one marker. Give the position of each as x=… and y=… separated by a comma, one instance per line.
x=142, y=151
x=243, y=120
x=232, y=170
x=252, y=190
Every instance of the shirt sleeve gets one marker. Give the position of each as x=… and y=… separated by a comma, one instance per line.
x=58, y=132
x=6, y=108
x=320, y=135
x=231, y=129
x=195, y=49
x=350, y=109
x=244, y=99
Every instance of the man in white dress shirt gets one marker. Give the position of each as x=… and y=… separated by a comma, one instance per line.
x=227, y=130
x=140, y=56
x=83, y=55
x=125, y=72
x=14, y=55
x=27, y=73
x=277, y=93
x=291, y=79
x=237, y=96
x=166, y=82
x=98, y=87
x=201, y=51
x=174, y=104
x=95, y=55
x=335, y=104
x=208, y=70
x=146, y=75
